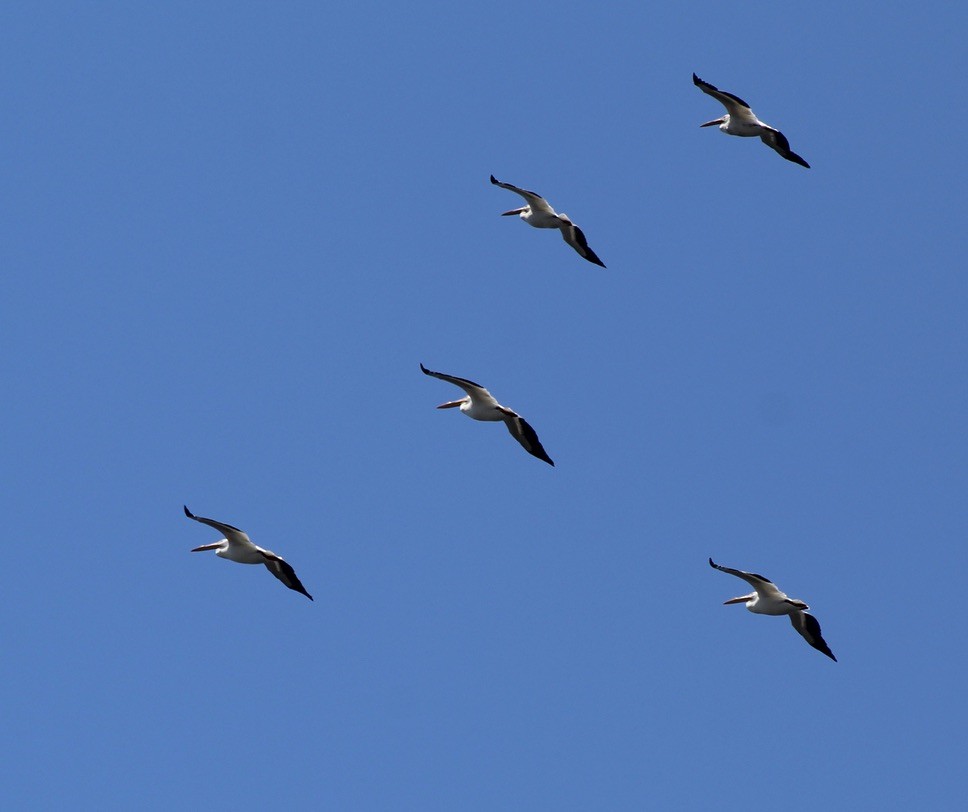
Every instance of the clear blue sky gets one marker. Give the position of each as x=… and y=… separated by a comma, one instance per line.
x=231, y=234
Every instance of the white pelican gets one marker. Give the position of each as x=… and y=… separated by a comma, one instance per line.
x=480, y=405
x=540, y=215
x=768, y=600
x=739, y=120
x=236, y=546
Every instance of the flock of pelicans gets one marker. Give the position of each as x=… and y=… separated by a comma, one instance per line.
x=480, y=404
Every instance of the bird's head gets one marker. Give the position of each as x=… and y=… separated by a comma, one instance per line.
x=718, y=122
x=522, y=210
x=740, y=599
x=452, y=403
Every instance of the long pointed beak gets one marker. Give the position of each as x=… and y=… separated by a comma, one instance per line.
x=204, y=547
x=513, y=211
x=715, y=121
x=741, y=599
x=451, y=404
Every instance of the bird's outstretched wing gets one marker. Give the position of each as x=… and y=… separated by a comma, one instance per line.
x=226, y=529
x=475, y=390
x=522, y=432
x=535, y=201
x=763, y=586
x=734, y=105
x=575, y=237
x=283, y=570
x=809, y=629
x=776, y=140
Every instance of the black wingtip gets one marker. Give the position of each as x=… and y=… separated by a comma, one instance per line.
x=494, y=180
x=591, y=256
x=424, y=369
x=188, y=513
x=695, y=79
x=792, y=157
x=823, y=648
x=713, y=564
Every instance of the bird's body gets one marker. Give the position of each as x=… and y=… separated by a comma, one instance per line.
x=481, y=405
x=741, y=121
x=238, y=547
x=768, y=600
x=538, y=213
x=240, y=553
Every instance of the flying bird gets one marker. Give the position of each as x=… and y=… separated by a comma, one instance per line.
x=739, y=120
x=538, y=213
x=236, y=546
x=768, y=600
x=481, y=405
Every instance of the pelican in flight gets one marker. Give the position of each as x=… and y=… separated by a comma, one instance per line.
x=768, y=600
x=739, y=120
x=480, y=405
x=540, y=215
x=236, y=546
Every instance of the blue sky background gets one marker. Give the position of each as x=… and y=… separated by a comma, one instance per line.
x=231, y=233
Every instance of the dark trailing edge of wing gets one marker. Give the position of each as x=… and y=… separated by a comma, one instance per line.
x=533, y=444
x=210, y=522
x=512, y=188
x=445, y=377
x=777, y=141
x=731, y=571
x=703, y=85
x=781, y=141
x=812, y=626
x=588, y=254
x=537, y=449
x=286, y=574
